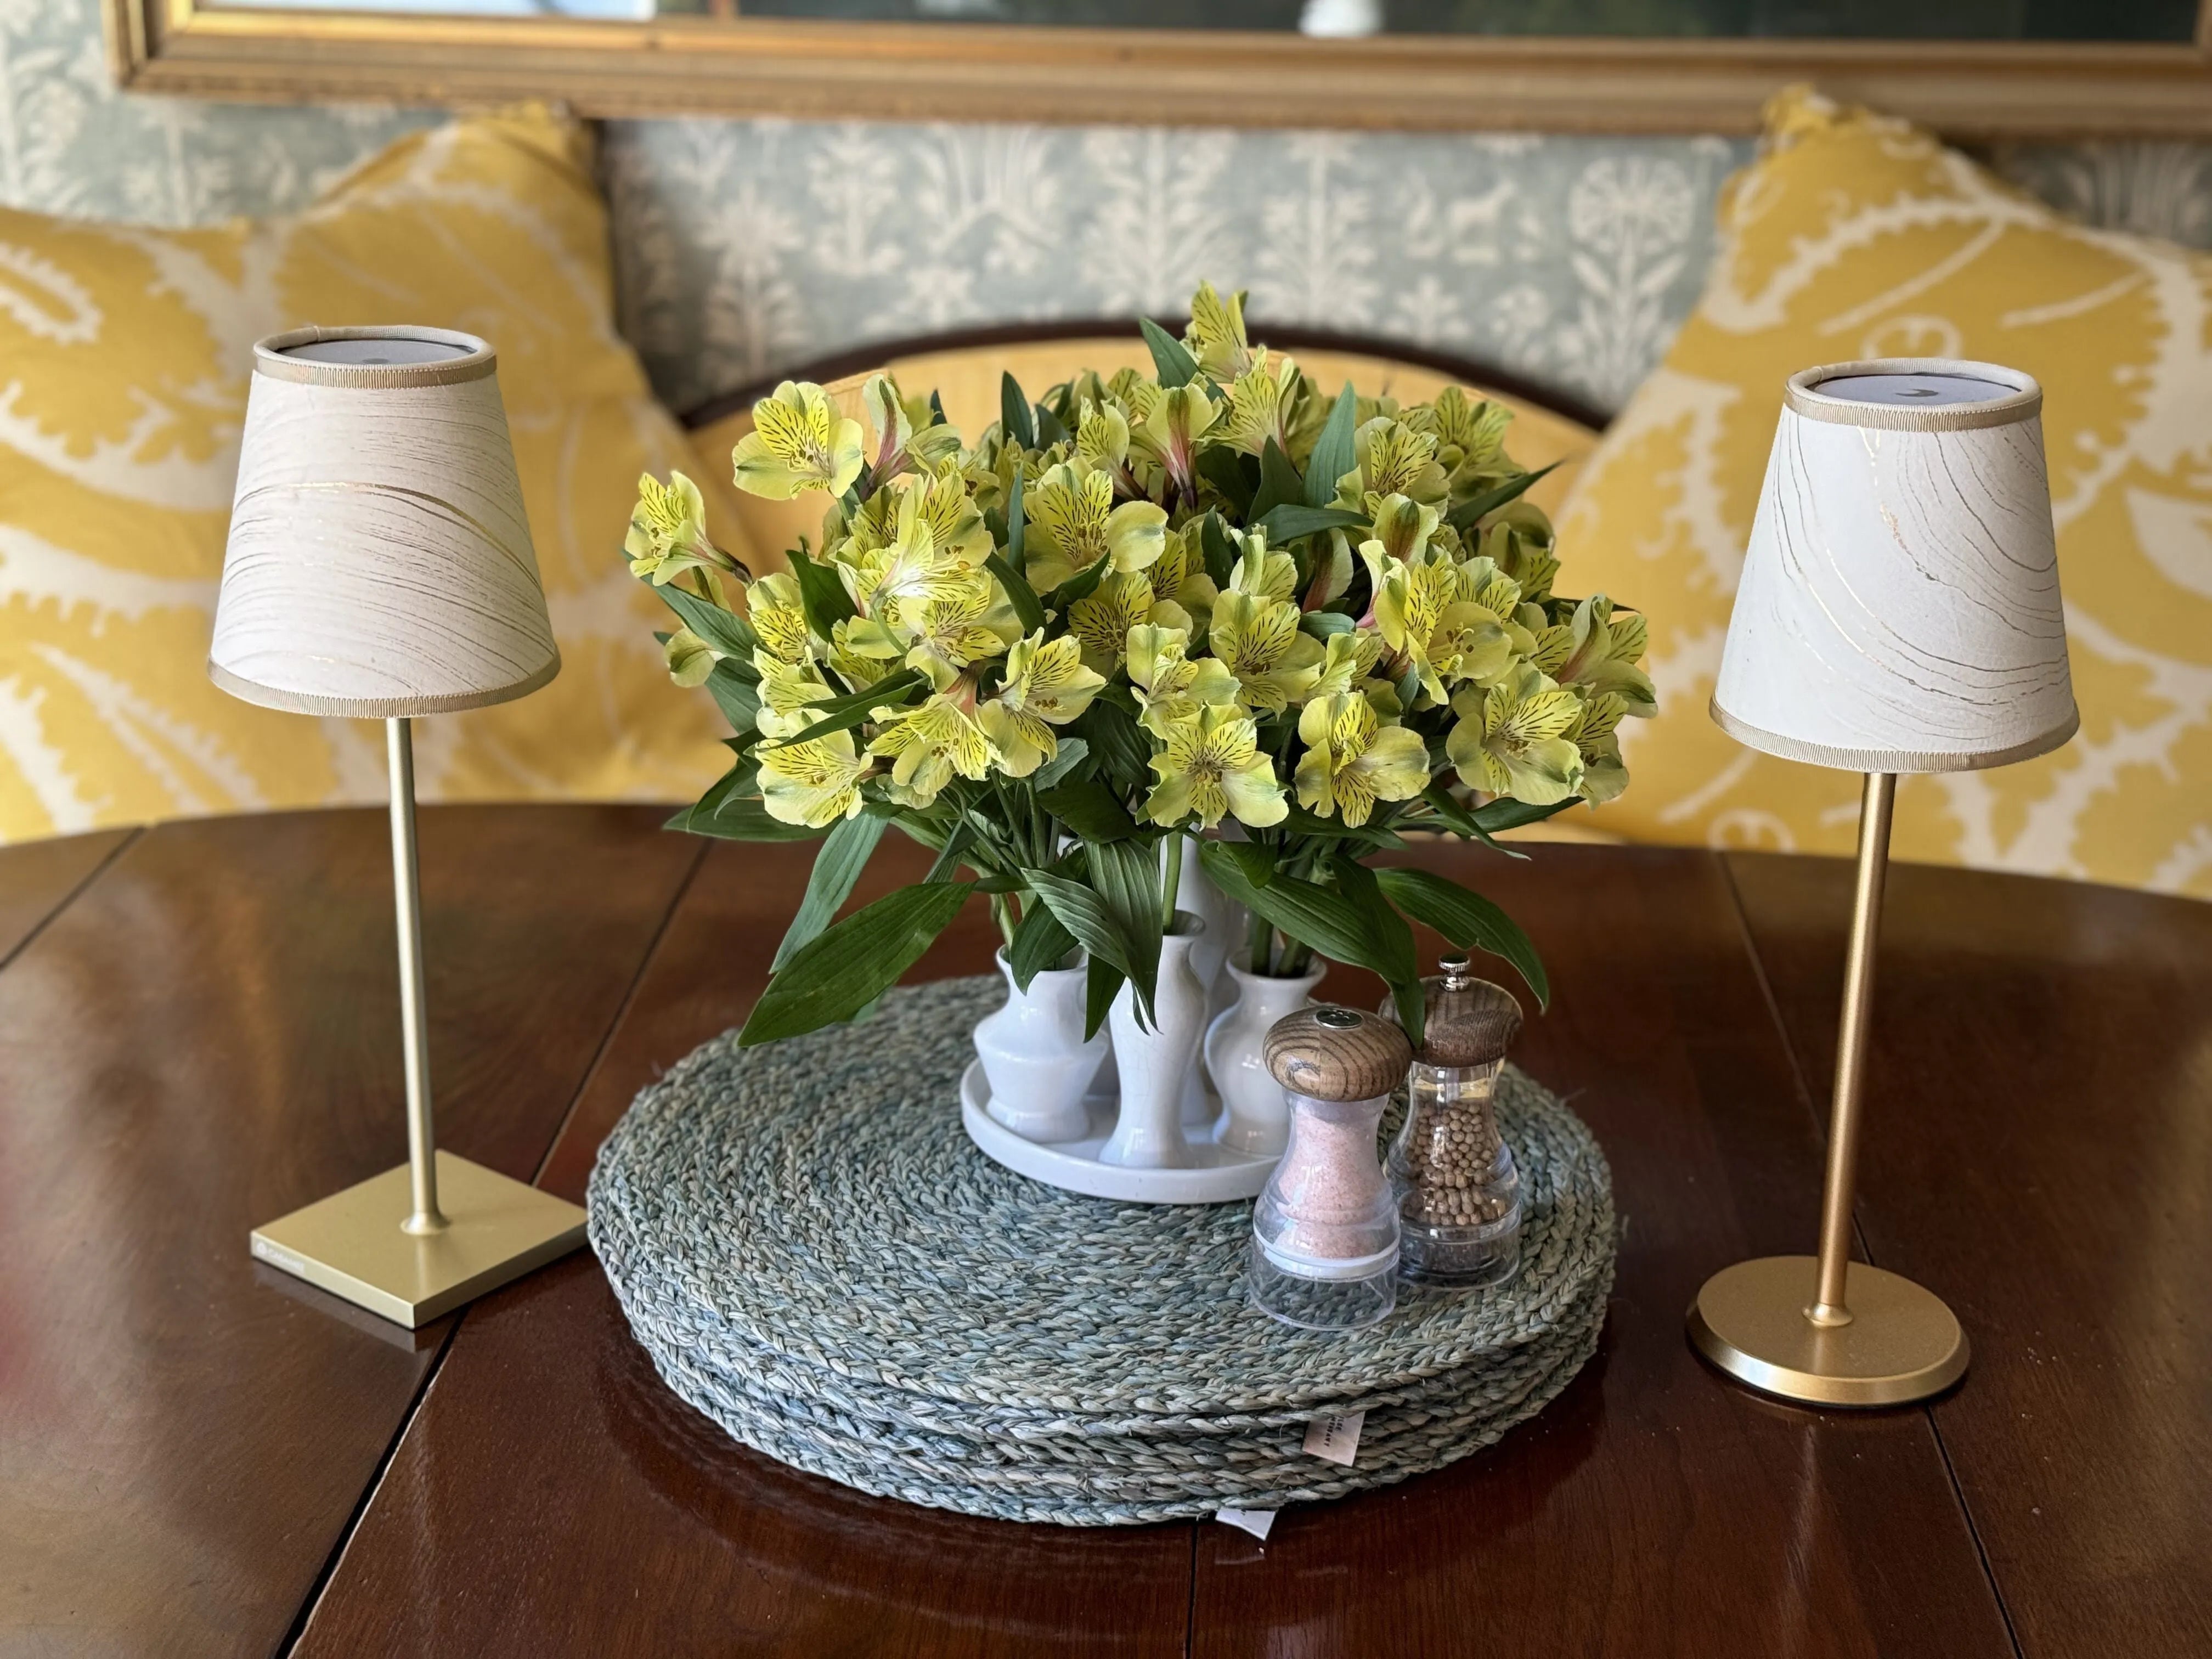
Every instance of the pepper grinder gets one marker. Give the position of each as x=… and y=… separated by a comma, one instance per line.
x=1325, y=1230
x=1458, y=1190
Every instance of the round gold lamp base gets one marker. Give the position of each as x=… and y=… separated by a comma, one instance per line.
x=1902, y=1343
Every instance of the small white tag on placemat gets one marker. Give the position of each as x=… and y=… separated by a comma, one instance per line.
x=1255, y=1522
x=1335, y=1438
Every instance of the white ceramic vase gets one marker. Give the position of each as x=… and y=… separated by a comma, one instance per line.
x=1225, y=922
x=1257, y=1113
x=1034, y=1056
x=1157, y=1065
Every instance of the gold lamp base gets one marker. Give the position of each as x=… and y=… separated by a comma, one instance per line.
x=1902, y=1343
x=352, y=1244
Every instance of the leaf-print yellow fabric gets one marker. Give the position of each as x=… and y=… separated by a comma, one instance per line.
x=1855, y=236
x=126, y=354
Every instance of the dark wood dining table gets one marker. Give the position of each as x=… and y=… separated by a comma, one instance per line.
x=199, y=1031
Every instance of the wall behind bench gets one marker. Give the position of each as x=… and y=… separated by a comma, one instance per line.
x=744, y=247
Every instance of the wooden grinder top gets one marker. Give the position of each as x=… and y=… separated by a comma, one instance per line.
x=1337, y=1053
x=1470, y=1021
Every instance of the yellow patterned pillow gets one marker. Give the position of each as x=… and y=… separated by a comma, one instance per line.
x=1855, y=236
x=126, y=355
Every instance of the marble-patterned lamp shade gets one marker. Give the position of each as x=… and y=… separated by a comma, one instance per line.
x=379, y=563
x=1898, y=610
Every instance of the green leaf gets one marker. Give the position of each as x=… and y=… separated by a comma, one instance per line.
x=1507, y=813
x=1124, y=752
x=1456, y=818
x=1224, y=468
x=1049, y=431
x=833, y=977
x=1040, y=942
x=1469, y=920
x=843, y=713
x=947, y=862
x=1173, y=366
x=1089, y=808
x=1014, y=419
x=837, y=866
x=1394, y=942
x=1023, y=596
x=1472, y=510
x=1279, y=483
x=822, y=594
x=1300, y=822
x=730, y=634
x=734, y=696
x=1220, y=554
x=1290, y=520
x=1072, y=753
x=1125, y=876
x=1102, y=986
x=741, y=820
x=1081, y=586
x=1099, y=928
x=1315, y=915
x=1336, y=451
x=1018, y=523
x=1322, y=623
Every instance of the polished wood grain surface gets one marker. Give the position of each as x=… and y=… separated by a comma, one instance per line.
x=2039, y=1153
x=579, y=1507
x=207, y=1037
x=201, y=1037
x=38, y=879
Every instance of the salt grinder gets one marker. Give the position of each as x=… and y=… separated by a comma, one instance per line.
x=1458, y=1191
x=1325, y=1230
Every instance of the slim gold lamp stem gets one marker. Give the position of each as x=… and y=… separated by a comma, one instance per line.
x=1824, y=1329
x=407, y=893
x=1875, y=804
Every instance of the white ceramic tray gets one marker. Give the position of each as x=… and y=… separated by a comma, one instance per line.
x=1215, y=1175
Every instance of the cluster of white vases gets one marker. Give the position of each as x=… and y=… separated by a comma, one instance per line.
x=1189, y=1093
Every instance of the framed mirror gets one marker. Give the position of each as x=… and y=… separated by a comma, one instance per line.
x=1971, y=68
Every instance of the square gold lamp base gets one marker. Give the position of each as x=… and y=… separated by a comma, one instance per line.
x=352, y=1245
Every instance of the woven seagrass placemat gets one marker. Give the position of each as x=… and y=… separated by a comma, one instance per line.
x=816, y=1257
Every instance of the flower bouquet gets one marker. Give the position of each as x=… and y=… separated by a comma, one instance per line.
x=1214, y=602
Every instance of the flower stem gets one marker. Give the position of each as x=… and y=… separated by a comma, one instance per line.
x=1259, y=946
x=1002, y=914
x=1171, y=877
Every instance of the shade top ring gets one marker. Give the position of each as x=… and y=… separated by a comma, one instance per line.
x=382, y=355
x=1915, y=394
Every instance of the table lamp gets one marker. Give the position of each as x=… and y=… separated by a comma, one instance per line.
x=1899, y=612
x=379, y=566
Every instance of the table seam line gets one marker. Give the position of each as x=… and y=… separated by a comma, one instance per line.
x=74, y=893
x=622, y=1011
x=368, y=1491
x=1858, y=1233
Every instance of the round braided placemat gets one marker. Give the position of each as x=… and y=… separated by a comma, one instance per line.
x=815, y=1257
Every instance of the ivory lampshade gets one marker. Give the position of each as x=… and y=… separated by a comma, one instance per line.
x=1899, y=608
x=379, y=563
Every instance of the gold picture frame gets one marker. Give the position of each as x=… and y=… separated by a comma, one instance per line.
x=934, y=71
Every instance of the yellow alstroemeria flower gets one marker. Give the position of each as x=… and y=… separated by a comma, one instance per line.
x=1396, y=459
x=1404, y=527
x=1179, y=577
x=1260, y=403
x=1211, y=766
x=1073, y=524
x=928, y=747
x=1352, y=760
x=1169, y=685
x=947, y=635
x=1216, y=335
x=814, y=783
x=690, y=658
x=787, y=692
x=1594, y=736
x=1169, y=434
x=668, y=532
x=911, y=572
x=1510, y=740
x=772, y=607
x=1518, y=539
x=1470, y=432
x=1445, y=622
x=1260, y=642
x=1262, y=575
x=798, y=442
x=1348, y=659
x=1102, y=439
x=1102, y=619
x=1046, y=685
x=1602, y=652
